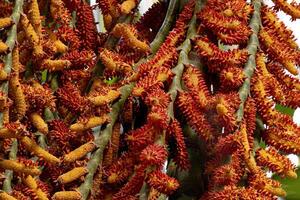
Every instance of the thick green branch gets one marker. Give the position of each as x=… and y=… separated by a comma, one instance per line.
x=10, y=42
x=166, y=26
x=102, y=141
x=183, y=59
x=249, y=68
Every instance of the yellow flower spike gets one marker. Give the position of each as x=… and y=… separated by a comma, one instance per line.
x=15, y=88
x=39, y=123
x=105, y=99
x=276, y=162
x=291, y=9
x=5, y=22
x=79, y=152
x=32, y=36
x=32, y=184
x=270, y=19
x=127, y=6
x=72, y=175
x=249, y=158
x=55, y=65
x=3, y=47
x=3, y=75
x=6, y=133
x=275, y=191
x=5, y=196
x=284, y=58
x=107, y=21
x=60, y=46
x=91, y=123
x=19, y=167
x=34, y=148
x=130, y=36
x=66, y=195
x=35, y=17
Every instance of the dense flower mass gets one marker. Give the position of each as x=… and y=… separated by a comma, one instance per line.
x=181, y=102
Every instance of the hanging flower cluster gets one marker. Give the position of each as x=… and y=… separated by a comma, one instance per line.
x=162, y=106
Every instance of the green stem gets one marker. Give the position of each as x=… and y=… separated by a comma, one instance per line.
x=10, y=42
x=183, y=59
x=166, y=26
x=249, y=68
x=102, y=141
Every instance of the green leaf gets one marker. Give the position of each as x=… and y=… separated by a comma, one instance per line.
x=291, y=186
x=44, y=76
x=111, y=81
x=285, y=110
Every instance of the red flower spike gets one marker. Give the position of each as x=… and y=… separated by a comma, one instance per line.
x=268, y=187
x=133, y=186
x=186, y=14
x=69, y=36
x=162, y=182
x=150, y=22
x=120, y=170
x=194, y=81
x=263, y=103
x=215, y=21
x=163, y=58
x=234, y=192
x=226, y=108
x=232, y=78
x=292, y=9
x=272, y=22
x=6, y=8
x=154, y=154
x=275, y=162
x=182, y=157
x=81, y=59
x=139, y=138
x=86, y=26
x=157, y=97
x=158, y=117
x=109, y=7
x=224, y=175
x=233, y=37
x=60, y=135
x=278, y=50
x=59, y=12
x=235, y=9
x=38, y=97
x=156, y=76
x=282, y=139
x=70, y=97
x=194, y=116
x=226, y=145
x=217, y=58
x=287, y=80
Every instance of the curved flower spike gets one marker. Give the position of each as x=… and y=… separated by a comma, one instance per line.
x=275, y=162
x=194, y=116
x=130, y=36
x=272, y=22
x=5, y=22
x=162, y=182
x=291, y=9
x=154, y=155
